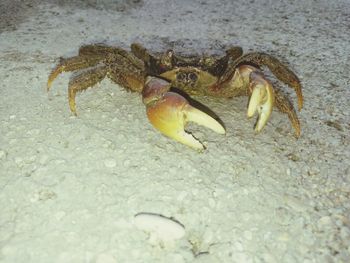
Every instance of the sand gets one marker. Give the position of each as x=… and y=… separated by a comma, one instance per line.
x=71, y=186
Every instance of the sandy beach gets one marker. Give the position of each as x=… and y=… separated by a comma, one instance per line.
x=70, y=186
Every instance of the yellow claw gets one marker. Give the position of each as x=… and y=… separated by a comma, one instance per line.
x=261, y=100
x=170, y=112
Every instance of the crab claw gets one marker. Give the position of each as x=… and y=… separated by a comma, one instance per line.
x=169, y=112
x=261, y=100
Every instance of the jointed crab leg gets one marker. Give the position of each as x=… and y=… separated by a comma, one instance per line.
x=169, y=112
x=83, y=81
x=285, y=106
x=96, y=60
x=101, y=49
x=71, y=64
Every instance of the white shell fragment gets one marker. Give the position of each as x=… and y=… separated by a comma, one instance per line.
x=159, y=227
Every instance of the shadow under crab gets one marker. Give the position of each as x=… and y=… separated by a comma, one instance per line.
x=156, y=75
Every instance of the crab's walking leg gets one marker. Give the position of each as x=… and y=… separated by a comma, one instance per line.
x=284, y=74
x=71, y=64
x=169, y=112
x=83, y=81
x=100, y=49
x=285, y=106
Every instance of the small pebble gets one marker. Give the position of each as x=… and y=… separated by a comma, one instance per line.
x=60, y=215
x=288, y=171
x=33, y=132
x=324, y=222
x=283, y=237
x=43, y=159
x=182, y=196
x=2, y=154
x=127, y=163
x=110, y=163
x=211, y=202
x=246, y=216
x=238, y=245
x=248, y=235
x=295, y=203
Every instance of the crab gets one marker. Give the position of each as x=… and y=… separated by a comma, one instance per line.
x=167, y=81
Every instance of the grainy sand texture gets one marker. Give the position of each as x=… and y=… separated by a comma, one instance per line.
x=71, y=186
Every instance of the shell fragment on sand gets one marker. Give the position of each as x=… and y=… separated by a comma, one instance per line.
x=159, y=227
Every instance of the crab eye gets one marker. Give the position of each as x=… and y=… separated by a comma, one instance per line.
x=180, y=76
x=192, y=76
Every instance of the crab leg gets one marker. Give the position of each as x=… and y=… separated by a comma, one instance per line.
x=285, y=106
x=169, y=112
x=71, y=64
